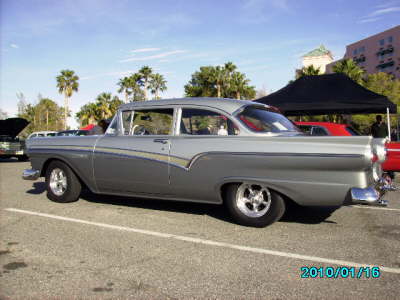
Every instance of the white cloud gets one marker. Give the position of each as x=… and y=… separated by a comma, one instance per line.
x=383, y=11
x=152, y=57
x=368, y=20
x=14, y=46
x=145, y=50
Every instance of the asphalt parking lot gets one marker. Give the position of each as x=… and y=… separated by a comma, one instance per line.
x=106, y=247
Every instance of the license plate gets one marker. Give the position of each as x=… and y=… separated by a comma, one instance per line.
x=19, y=152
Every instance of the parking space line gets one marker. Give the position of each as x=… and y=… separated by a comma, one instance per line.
x=209, y=242
x=374, y=207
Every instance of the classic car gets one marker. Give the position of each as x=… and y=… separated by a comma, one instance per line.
x=175, y=149
x=41, y=134
x=10, y=143
x=392, y=163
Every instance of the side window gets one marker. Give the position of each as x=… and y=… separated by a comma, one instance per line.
x=205, y=122
x=319, y=131
x=147, y=122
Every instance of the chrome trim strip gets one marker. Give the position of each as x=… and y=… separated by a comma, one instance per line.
x=274, y=154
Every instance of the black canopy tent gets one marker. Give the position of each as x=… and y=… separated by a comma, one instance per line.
x=327, y=94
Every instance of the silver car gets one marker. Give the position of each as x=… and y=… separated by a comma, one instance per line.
x=238, y=153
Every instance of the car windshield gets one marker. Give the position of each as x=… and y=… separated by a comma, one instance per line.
x=261, y=120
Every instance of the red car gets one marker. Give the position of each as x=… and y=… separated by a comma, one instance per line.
x=392, y=163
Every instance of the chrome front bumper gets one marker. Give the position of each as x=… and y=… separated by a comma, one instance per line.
x=30, y=174
x=373, y=195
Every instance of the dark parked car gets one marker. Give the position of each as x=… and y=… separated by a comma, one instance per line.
x=10, y=144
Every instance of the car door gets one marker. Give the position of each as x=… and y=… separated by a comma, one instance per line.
x=135, y=158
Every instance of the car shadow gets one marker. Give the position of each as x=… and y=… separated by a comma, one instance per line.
x=14, y=160
x=215, y=211
x=309, y=215
x=37, y=188
x=295, y=213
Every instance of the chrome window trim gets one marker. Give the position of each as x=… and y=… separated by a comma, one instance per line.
x=209, y=108
x=172, y=126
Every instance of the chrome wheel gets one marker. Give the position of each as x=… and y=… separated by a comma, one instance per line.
x=58, y=182
x=253, y=200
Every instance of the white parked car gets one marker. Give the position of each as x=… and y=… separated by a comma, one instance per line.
x=42, y=134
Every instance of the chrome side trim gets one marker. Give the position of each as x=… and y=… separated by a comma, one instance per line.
x=287, y=154
x=30, y=174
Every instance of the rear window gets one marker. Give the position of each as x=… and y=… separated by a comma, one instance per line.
x=262, y=120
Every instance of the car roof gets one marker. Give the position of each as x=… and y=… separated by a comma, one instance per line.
x=225, y=104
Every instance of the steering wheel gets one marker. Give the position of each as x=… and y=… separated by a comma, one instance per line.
x=139, y=130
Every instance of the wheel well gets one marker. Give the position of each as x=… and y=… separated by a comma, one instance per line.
x=49, y=161
x=288, y=201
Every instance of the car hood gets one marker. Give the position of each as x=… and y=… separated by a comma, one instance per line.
x=12, y=126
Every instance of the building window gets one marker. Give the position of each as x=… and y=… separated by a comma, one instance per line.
x=382, y=42
x=355, y=52
x=390, y=39
x=362, y=49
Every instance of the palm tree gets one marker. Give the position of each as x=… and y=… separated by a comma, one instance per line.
x=239, y=84
x=49, y=106
x=218, y=77
x=145, y=73
x=135, y=83
x=103, y=105
x=157, y=83
x=351, y=69
x=67, y=83
x=125, y=86
x=306, y=71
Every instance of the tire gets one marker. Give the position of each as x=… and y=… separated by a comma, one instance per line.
x=253, y=204
x=61, y=183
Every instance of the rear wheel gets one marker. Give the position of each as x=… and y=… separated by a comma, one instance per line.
x=254, y=204
x=62, y=184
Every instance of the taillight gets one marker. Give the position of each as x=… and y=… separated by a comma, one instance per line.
x=374, y=158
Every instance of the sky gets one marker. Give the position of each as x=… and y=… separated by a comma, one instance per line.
x=105, y=40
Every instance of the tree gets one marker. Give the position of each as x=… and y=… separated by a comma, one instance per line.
x=200, y=84
x=49, y=107
x=145, y=73
x=104, y=107
x=219, y=81
x=137, y=92
x=157, y=83
x=238, y=84
x=21, y=103
x=218, y=76
x=306, y=71
x=67, y=83
x=125, y=86
x=351, y=69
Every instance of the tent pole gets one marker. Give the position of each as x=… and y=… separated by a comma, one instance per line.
x=388, y=122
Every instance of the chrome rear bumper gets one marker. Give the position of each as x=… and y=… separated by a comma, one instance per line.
x=373, y=195
x=30, y=174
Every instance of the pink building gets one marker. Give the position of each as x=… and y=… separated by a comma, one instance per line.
x=377, y=53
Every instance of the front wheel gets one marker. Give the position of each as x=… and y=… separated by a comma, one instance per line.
x=61, y=183
x=254, y=204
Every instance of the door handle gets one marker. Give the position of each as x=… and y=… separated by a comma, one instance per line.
x=162, y=141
